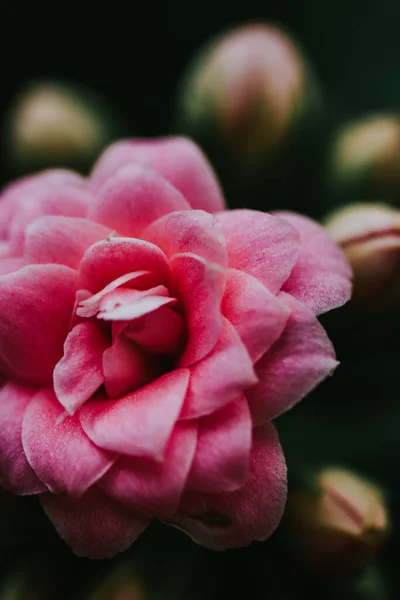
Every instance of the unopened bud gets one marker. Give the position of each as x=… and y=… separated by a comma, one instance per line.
x=337, y=524
x=369, y=234
x=245, y=91
x=365, y=158
x=52, y=124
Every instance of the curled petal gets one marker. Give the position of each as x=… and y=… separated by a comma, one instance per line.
x=261, y=245
x=154, y=489
x=79, y=374
x=57, y=448
x=295, y=364
x=95, y=526
x=220, y=377
x=322, y=275
x=194, y=231
x=16, y=474
x=199, y=285
x=235, y=519
x=108, y=260
x=133, y=198
x=61, y=240
x=178, y=160
x=257, y=315
x=35, y=310
x=141, y=423
x=127, y=305
x=221, y=462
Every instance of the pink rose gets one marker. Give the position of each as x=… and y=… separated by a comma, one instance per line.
x=148, y=338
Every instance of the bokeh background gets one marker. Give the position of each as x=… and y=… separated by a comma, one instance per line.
x=134, y=56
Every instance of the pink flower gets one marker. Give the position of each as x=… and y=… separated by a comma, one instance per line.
x=148, y=338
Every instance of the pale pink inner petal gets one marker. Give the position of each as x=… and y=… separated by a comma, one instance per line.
x=125, y=305
x=79, y=374
x=150, y=488
x=139, y=424
x=295, y=364
x=95, y=526
x=222, y=458
x=57, y=448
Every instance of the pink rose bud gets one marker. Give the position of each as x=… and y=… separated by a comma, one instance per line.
x=338, y=524
x=148, y=340
x=369, y=234
x=364, y=160
x=247, y=90
x=53, y=124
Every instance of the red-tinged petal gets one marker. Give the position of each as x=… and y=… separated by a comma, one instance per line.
x=95, y=526
x=295, y=364
x=125, y=367
x=257, y=315
x=220, y=377
x=79, y=374
x=178, y=160
x=133, y=198
x=161, y=332
x=105, y=261
x=89, y=305
x=57, y=448
x=261, y=245
x=68, y=201
x=235, y=519
x=221, y=462
x=322, y=275
x=9, y=265
x=141, y=423
x=61, y=240
x=16, y=474
x=126, y=305
x=194, y=231
x=35, y=311
x=199, y=285
x=154, y=489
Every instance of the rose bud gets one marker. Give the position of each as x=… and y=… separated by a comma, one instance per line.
x=338, y=523
x=369, y=234
x=54, y=124
x=246, y=92
x=364, y=160
x=148, y=338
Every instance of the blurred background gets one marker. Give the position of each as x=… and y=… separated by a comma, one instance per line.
x=301, y=112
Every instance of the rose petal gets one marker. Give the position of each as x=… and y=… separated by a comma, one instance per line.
x=199, y=285
x=61, y=240
x=154, y=489
x=57, y=448
x=16, y=474
x=126, y=368
x=178, y=160
x=35, y=311
x=221, y=462
x=125, y=305
x=160, y=332
x=194, y=231
x=220, y=377
x=133, y=198
x=261, y=245
x=108, y=260
x=141, y=423
x=296, y=363
x=322, y=275
x=9, y=265
x=95, y=526
x=235, y=519
x=79, y=374
x=257, y=315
